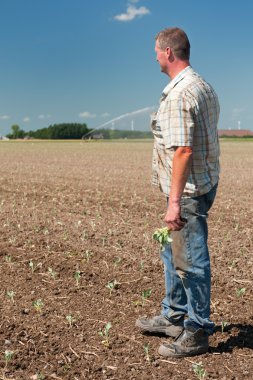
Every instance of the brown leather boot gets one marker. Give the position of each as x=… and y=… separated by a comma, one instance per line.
x=189, y=343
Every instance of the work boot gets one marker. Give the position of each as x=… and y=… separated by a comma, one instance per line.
x=160, y=324
x=189, y=343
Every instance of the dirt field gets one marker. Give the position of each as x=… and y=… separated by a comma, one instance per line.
x=76, y=252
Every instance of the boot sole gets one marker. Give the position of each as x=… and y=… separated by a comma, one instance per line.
x=170, y=354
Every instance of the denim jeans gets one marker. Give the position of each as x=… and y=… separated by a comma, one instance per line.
x=187, y=266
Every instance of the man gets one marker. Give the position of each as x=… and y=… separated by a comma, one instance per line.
x=186, y=168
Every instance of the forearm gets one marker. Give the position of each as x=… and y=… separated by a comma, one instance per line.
x=181, y=168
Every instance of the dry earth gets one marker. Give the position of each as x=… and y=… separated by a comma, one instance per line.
x=76, y=253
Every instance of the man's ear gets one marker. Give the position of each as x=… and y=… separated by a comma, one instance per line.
x=170, y=54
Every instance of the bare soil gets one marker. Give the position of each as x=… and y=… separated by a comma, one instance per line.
x=76, y=252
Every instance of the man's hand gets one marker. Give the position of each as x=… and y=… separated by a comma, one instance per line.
x=173, y=217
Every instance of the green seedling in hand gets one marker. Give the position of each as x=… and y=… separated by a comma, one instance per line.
x=162, y=235
x=105, y=334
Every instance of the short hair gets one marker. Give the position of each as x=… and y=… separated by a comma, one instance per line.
x=177, y=40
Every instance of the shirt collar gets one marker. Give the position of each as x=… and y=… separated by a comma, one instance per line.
x=188, y=70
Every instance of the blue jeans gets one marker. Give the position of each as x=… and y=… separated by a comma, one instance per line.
x=187, y=266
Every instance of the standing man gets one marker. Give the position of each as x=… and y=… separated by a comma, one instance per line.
x=186, y=168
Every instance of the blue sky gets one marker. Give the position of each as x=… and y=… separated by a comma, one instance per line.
x=91, y=61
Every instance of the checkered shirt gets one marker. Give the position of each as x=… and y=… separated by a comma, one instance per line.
x=187, y=116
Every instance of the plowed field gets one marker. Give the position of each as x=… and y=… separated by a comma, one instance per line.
x=77, y=256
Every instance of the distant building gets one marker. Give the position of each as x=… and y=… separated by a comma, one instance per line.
x=234, y=132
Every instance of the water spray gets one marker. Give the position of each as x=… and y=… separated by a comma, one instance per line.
x=142, y=110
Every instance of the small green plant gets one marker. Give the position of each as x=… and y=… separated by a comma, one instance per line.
x=162, y=235
x=8, y=259
x=146, y=351
x=142, y=265
x=88, y=254
x=145, y=294
x=70, y=320
x=240, y=292
x=223, y=326
x=112, y=285
x=10, y=294
x=117, y=261
x=38, y=305
x=199, y=370
x=77, y=277
x=32, y=266
x=8, y=355
x=41, y=376
x=52, y=273
x=105, y=334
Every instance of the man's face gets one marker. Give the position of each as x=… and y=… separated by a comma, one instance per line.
x=162, y=58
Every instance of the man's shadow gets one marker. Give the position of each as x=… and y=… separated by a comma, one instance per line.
x=242, y=337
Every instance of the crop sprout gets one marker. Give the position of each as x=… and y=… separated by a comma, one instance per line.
x=112, y=285
x=199, y=370
x=105, y=334
x=240, y=292
x=8, y=355
x=38, y=305
x=146, y=351
x=77, y=277
x=52, y=273
x=70, y=320
x=10, y=294
x=145, y=294
x=223, y=326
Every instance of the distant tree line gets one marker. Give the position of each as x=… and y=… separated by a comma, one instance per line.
x=75, y=131
x=56, y=131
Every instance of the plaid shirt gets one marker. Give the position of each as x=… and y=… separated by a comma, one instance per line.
x=187, y=116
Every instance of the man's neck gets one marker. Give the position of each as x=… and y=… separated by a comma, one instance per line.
x=177, y=68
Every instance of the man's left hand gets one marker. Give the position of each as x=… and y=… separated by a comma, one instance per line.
x=173, y=218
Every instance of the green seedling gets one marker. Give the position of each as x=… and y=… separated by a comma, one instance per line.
x=240, y=292
x=142, y=265
x=8, y=355
x=31, y=266
x=199, y=370
x=38, y=305
x=77, y=277
x=117, y=261
x=70, y=320
x=10, y=294
x=8, y=259
x=145, y=294
x=162, y=235
x=52, y=273
x=105, y=334
x=88, y=254
x=146, y=351
x=41, y=376
x=112, y=285
x=223, y=326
